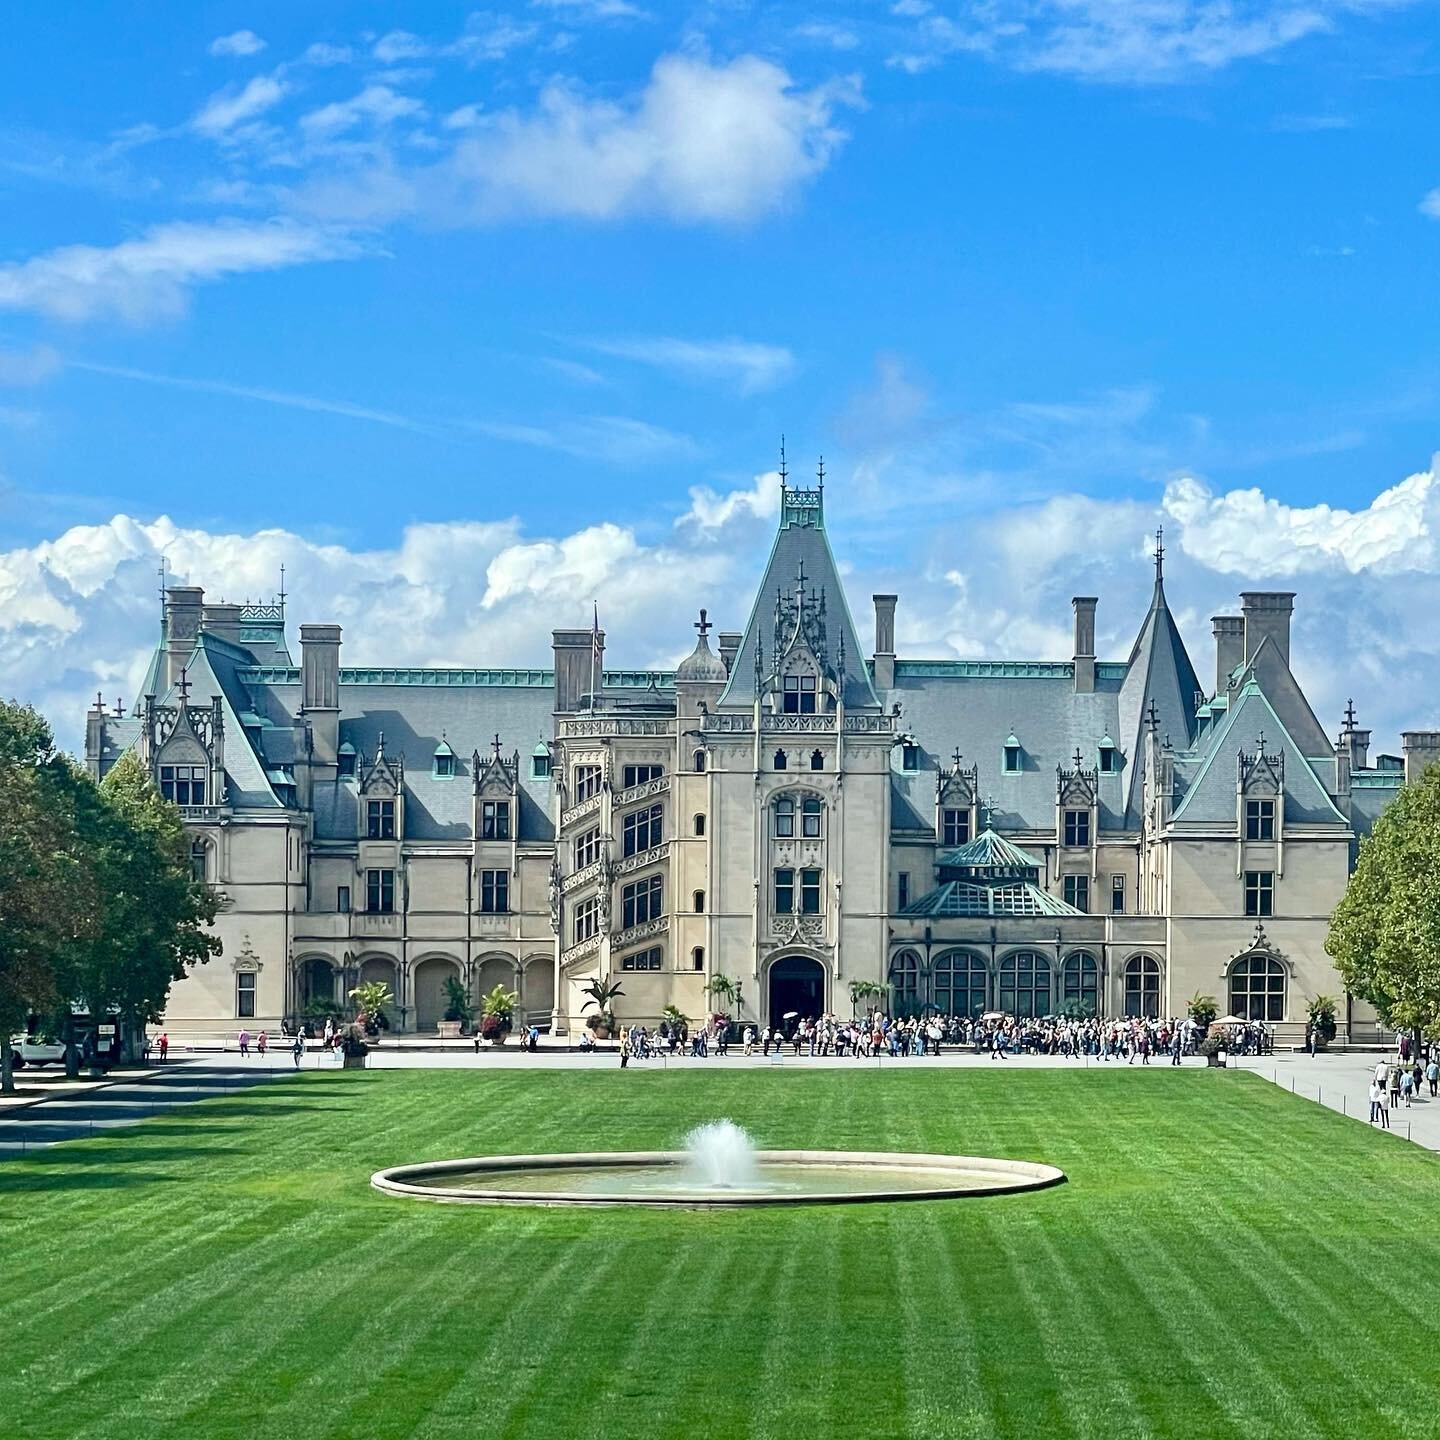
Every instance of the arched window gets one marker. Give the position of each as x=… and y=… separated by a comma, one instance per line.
x=1080, y=985
x=200, y=860
x=699, y=898
x=779, y=759
x=699, y=824
x=905, y=983
x=697, y=957
x=699, y=761
x=785, y=818
x=817, y=760
x=1257, y=988
x=1025, y=984
x=1142, y=988
x=811, y=810
x=961, y=984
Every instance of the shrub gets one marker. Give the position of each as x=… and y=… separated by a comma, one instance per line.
x=1203, y=1008
x=1321, y=1010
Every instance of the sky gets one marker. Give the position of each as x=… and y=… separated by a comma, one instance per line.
x=475, y=318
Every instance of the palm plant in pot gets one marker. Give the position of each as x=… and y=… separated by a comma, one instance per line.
x=459, y=1008
x=371, y=997
x=497, y=1014
x=601, y=995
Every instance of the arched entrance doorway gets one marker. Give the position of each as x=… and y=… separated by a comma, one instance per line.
x=796, y=983
x=430, y=977
x=317, y=982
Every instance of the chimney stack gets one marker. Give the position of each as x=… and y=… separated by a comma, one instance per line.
x=729, y=648
x=885, y=641
x=183, y=606
x=1267, y=613
x=1229, y=632
x=1422, y=748
x=575, y=665
x=1084, y=643
x=320, y=688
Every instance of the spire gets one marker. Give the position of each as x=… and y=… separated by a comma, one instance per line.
x=1159, y=554
x=784, y=471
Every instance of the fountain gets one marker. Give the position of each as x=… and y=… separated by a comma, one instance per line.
x=719, y=1168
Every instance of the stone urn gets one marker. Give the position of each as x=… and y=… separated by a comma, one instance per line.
x=450, y=1029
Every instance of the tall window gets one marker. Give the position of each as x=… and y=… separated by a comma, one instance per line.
x=642, y=960
x=1259, y=892
x=902, y=889
x=444, y=764
x=779, y=759
x=1080, y=983
x=245, y=994
x=200, y=860
x=1012, y=759
x=905, y=983
x=699, y=762
x=699, y=824
x=1107, y=760
x=184, y=784
x=587, y=847
x=640, y=830
x=799, y=695
x=342, y=899
x=817, y=760
x=585, y=920
x=380, y=892
x=1076, y=890
x=699, y=899
x=494, y=819
x=809, y=892
x=909, y=757
x=641, y=901
x=1025, y=984
x=380, y=819
x=1259, y=819
x=587, y=782
x=1077, y=829
x=697, y=957
x=345, y=762
x=1142, y=988
x=811, y=810
x=961, y=984
x=540, y=766
x=640, y=774
x=955, y=827
x=495, y=892
x=1117, y=894
x=1257, y=988
x=784, y=818
x=784, y=892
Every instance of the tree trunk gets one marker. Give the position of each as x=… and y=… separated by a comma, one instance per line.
x=72, y=1053
x=7, y=1064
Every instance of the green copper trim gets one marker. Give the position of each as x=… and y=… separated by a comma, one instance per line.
x=1002, y=669
x=412, y=675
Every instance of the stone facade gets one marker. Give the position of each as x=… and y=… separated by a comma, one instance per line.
x=789, y=813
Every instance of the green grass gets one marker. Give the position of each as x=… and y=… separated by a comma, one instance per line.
x=1225, y=1260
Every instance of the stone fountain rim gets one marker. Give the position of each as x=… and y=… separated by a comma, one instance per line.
x=1012, y=1177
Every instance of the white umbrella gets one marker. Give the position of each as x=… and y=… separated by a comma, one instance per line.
x=791, y=1015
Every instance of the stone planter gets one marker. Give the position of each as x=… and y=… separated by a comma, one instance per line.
x=450, y=1029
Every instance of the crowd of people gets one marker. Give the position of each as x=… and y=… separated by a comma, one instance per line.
x=1126, y=1041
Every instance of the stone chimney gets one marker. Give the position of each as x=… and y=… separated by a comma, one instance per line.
x=575, y=666
x=320, y=688
x=1267, y=612
x=730, y=648
x=183, y=607
x=1229, y=632
x=1084, y=643
x=222, y=620
x=1422, y=748
x=885, y=641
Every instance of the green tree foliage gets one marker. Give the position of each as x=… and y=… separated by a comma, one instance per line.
x=1385, y=932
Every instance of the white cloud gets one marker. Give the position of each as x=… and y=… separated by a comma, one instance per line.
x=747, y=365
x=701, y=142
x=240, y=43
x=710, y=511
x=151, y=276
x=399, y=45
x=376, y=103
x=615, y=439
x=230, y=107
x=593, y=9
x=1430, y=205
x=28, y=367
x=322, y=54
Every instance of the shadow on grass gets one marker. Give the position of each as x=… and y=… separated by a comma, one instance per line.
x=37, y=1181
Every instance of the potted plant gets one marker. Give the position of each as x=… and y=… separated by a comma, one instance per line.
x=317, y=1011
x=1212, y=1046
x=601, y=995
x=1321, y=1010
x=1203, y=1010
x=726, y=990
x=371, y=997
x=497, y=1011
x=459, y=1009
x=353, y=1047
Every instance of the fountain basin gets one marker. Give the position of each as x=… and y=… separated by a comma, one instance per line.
x=666, y=1179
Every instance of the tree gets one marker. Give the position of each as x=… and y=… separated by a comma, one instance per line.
x=38, y=872
x=864, y=990
x=1385, y=932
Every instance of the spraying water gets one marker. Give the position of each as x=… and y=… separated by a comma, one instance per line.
x=721, y=1156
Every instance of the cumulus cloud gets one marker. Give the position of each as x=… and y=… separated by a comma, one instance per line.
x=151, y=276
x=378, y=104
x=238, y=44
x=747, y=365
x=230, y=107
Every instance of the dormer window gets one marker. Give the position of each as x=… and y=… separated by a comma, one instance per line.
x=1012, y=755
x=345, y=761
x=495, y=820
x=1259, y=819
x=909, y=756
x=1109, y=760
x=379, y=819
x=444, y=761
x=799, y=695
x=184, y=784
x=540, y=763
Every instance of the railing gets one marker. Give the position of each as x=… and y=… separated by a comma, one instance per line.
x=643, y=791
x=203, y=814
x=580, y=951
x=579, y=811
x=614, y=725
x=646, y=930
x=646, y=857
x=581, y=877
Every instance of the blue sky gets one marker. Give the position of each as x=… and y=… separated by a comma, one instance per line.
x=530, y=293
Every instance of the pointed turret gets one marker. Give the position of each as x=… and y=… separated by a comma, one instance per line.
x=1161, y=676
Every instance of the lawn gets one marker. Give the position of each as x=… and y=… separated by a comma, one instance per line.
x=1225, y=1260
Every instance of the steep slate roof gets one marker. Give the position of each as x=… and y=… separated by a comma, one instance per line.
x=801, y=540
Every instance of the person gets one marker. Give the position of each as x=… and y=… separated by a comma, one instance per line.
x=165, y=1046
x=1394, y=1087
x=533, y=1037
x=1312, y=1038
x=262, y=1043
x=1432, y=1074
x=749, y=1039
x=298, y=1048
x=1407, y=1087
x=1377, y=1097
x=1384, y=1113
x=624, y=1048
x=244, y=1042
x=145, y=1055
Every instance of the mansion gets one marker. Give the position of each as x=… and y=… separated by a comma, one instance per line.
x=788, y=809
